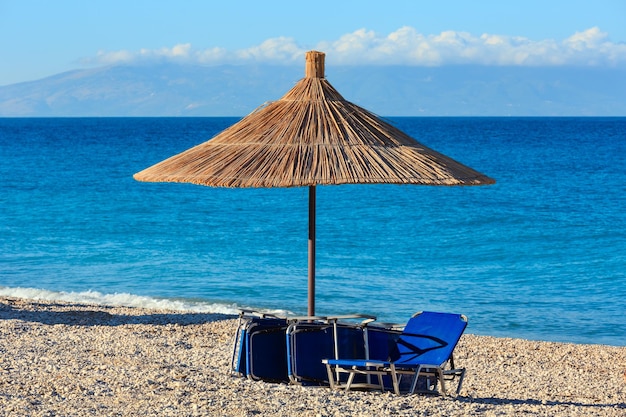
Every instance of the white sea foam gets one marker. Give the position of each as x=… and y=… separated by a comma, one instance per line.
x=128, y=300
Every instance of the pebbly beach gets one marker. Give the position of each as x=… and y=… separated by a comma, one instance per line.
x=68, y=359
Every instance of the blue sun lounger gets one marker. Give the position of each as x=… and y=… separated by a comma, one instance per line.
x=259, y=350
x=290, y=349
x=311, y=339
x=423, y=351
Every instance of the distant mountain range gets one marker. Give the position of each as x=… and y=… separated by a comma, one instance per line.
x=193, y=90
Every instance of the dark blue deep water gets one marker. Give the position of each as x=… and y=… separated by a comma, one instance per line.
x=540, y=255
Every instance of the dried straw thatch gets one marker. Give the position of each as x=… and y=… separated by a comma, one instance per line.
x=311, y=136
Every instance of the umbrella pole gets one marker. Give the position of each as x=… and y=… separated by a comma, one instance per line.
x=311, y=310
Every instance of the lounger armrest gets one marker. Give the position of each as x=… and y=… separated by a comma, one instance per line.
x=296, y=319
x=365, y=318
x=254, y=313
x=359, y=363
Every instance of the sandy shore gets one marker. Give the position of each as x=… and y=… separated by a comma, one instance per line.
x=59, y=359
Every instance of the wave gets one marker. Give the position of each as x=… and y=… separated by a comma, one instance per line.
x=129, y=300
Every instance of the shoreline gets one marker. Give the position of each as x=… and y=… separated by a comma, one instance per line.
x=63, y=358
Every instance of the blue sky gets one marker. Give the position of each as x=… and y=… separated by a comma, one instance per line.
x=39, y=38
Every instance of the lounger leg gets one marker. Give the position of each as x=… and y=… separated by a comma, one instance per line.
x=394, y=379
x=350, y=379
x=458, y=387
x=331, y=378
x=442, y=381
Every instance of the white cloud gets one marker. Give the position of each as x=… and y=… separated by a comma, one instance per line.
x=178, y=52
x=405, y=46
x=114, y=57
x=588, y=39
x=272, y=50
x=212, y=55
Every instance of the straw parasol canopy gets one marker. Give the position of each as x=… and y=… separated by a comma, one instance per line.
x=311, y=136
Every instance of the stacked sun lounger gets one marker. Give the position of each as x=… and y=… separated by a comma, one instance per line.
x=259, y=351
x=291, y=349
x=349, y=352
x=309, y=341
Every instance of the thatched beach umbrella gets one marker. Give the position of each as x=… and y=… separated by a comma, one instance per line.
x=311, y=136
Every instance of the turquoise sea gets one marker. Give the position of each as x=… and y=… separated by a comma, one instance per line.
x=539, y=255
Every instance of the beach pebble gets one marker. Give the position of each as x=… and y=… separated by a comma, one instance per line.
x=81, y=360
